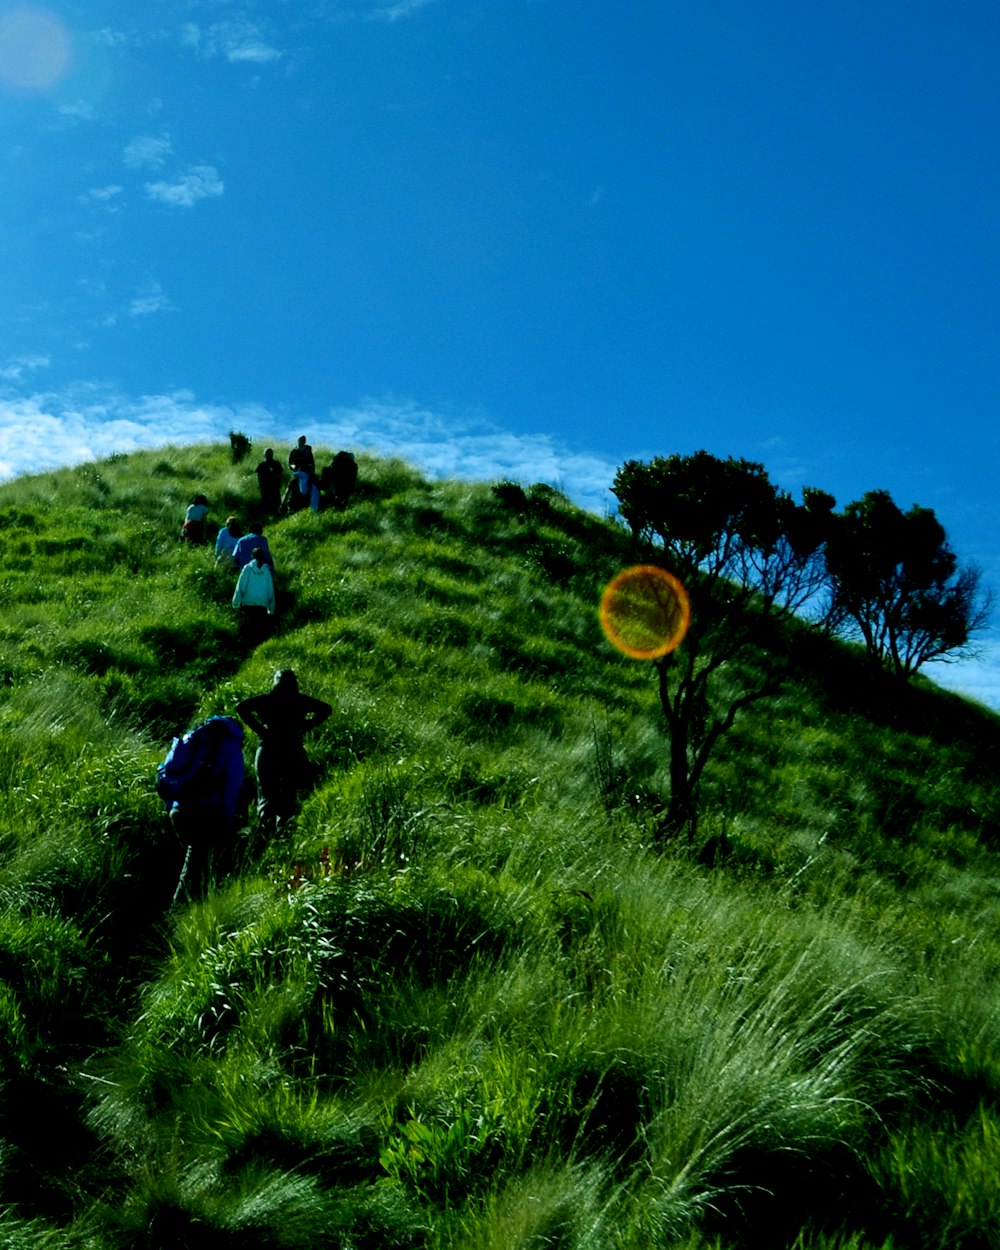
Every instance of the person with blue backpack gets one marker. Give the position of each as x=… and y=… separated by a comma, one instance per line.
x=202, y=783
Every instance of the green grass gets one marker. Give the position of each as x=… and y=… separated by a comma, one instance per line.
x=470, y=998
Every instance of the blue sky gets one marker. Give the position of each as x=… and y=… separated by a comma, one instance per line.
x=514, y=237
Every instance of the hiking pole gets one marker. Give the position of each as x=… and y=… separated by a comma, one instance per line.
x=180, y=879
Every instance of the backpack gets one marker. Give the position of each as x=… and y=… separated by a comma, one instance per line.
x=188, y=773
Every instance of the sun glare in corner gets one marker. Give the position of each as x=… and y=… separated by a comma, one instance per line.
x=35, y=49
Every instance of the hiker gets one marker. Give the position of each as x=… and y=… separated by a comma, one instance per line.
x=293, y=500
x=281, y=718
x=243, y=551
x=201, y=782
x=302, y=491
x=193, y=529
x=270, y=475
x=226, y=540
x=339, y=478
x=253, y=598
x=301, y=457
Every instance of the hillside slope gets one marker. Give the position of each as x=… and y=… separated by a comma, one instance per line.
x=471, y=998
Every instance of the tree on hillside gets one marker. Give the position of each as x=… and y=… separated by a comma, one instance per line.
x=746, y=553
x=898, y=586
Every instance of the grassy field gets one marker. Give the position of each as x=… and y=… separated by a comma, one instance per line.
x=472, y=997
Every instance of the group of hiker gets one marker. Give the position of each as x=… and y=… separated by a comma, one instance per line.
x=248, y=553
x=249, y=556
x=306, y=488
x=202, y=780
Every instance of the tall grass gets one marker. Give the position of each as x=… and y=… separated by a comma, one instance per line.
x=468, y=998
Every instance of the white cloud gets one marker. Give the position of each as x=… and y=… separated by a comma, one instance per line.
x=110, y=38
x=190, y=36
x=255, y=51
x=47, y=430
x=107, y=196
x=368, y=10
x=396, y=9
x=105, y=193
x=14, y=370
x=78, y=110
x=239, y=40
x=199, y=183
x=150, y=301
x=148, y=151
x=469, y=448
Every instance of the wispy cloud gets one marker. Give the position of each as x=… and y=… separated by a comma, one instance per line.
x=78, y=111
x=45, y=431
x=236, y=41
x=186, y=190
x=108, y=38
x=148, y=151
x=399, y=8
x=15, y=369
x=108, y=197
x=151, y=300
x=368, y=10
x=467, y=447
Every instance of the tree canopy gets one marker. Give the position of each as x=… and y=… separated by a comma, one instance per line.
x=744, y=551
x=899, y=587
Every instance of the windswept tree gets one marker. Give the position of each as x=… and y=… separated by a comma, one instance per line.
x=746, y=553
x=898, y=586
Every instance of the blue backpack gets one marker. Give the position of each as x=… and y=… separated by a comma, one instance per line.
x=189, y=772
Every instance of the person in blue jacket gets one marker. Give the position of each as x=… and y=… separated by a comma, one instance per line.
x=244, y=549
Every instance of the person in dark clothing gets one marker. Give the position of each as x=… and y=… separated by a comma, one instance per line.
x=339, y=478
x=270, y=475
x=301, y=457
x=281, y=719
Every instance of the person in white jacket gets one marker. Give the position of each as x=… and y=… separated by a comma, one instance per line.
x=254, y=597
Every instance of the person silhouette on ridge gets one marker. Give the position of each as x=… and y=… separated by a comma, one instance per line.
x=270, y=476
x=301, y=457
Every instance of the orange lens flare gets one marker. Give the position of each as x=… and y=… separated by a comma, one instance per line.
x=645, y=612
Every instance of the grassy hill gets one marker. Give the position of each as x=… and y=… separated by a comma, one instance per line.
x=471, y=998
